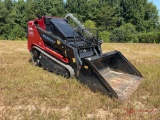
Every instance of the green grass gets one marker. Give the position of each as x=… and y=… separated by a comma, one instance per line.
x=29, y=92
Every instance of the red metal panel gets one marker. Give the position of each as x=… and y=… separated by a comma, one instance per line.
x=34, y=38
x=41, y=23
x=57, y=55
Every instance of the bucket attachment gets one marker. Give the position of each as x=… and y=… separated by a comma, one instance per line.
x=111, y=74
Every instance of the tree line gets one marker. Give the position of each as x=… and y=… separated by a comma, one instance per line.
x=122, y=20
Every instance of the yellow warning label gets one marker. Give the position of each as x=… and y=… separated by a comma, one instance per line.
x=74, y=60
x=58, y=42
x=65, y=52
x=86, y=67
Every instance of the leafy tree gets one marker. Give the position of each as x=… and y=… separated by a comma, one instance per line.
x=114, y=15
x=105, y=35
x=85, y=10
x=6, y=7
x=49, y=7
x=138, y=12
x=30, y=10
x=3, y=22
x=105, y=17
x=17, y=33
x=90, y=24
x=125, y=33
x=9, y=4
x=149, y=37
x=93, y=6
x=17, y=21
x=151, y=17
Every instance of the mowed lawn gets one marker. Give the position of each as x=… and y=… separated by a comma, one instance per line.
x=31, y=93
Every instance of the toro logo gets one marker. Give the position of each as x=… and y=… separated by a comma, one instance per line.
x=30, y=28
x=48, y=38
x=30, y=31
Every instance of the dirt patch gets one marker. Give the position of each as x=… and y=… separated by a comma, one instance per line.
x=101, y=114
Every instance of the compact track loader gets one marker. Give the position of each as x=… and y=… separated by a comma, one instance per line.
x=71, y=51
